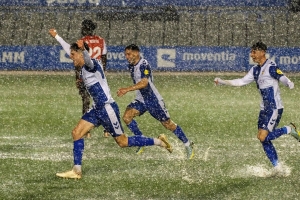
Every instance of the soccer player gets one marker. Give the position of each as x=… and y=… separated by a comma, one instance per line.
x=104, y=110
x=267, y=75
x=97, y=51
x=147, y=99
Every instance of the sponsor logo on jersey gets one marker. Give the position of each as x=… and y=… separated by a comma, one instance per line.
x=272, y=121
x=146, y=72
x=94, y=41
x=116, y=125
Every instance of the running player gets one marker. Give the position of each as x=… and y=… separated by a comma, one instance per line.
x=147, y=99
x=97, y=51
x=104, y=111
x=266, y=74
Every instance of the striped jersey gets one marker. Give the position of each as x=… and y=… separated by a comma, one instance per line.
x=96, y=84
x=97, y=46
x=267, y=80
x=143, y=70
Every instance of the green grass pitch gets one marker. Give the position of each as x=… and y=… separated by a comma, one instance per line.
x=39, y=111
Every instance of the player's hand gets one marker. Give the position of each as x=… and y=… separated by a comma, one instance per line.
x=52, y=32
x=217, y=81
x=121, y=92
x=290, y=84
x=80, y=44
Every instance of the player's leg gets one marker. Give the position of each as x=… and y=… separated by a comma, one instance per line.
x=110, y=119
x=266, y=123
x=176, y=129
x=276, y=133
x=134, y=109
x=78, y=147
x=85, y=124
x=159, y=111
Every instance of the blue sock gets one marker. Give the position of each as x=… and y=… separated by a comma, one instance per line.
x=78, y=151
x=276, y=134
x=180, y=134
x=134, y=128
x=140, y=141
x=270, y=152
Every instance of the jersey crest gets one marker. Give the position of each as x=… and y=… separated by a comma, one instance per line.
x=278, y=71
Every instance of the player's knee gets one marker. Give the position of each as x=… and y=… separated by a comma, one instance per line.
x=261, y=137
x=122, y=144
x=127, y=118
x=170, y=125
x=74, y=134
x=122, y=141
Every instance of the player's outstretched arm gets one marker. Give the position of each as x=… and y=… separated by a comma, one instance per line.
x=235, y=82
x=219, y=81
x=287, y=82
x=140, y=85
x=64, y=44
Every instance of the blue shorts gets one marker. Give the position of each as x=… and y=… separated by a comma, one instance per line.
x=157, y=109
x=108, y=117
x=268, y=120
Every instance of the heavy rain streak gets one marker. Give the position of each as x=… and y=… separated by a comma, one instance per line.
x=123, y=99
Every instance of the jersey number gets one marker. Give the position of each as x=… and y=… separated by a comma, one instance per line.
x=96, y=51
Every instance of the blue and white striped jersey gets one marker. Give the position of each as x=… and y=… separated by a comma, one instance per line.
x=96, y=84
x=143, y=70
x=267, y=80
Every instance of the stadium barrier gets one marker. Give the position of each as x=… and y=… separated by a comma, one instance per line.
x=269, y=3
x=161, y=58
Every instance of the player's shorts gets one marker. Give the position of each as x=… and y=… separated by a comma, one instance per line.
x=156, y=108
x=268, y=120
x=108, y=117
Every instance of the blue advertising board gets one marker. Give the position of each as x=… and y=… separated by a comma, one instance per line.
x=270, y=3
x=230, y=59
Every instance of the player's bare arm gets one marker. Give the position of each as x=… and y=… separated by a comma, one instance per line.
x=140, y=85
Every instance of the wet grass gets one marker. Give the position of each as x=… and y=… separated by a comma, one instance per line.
x=38, y=112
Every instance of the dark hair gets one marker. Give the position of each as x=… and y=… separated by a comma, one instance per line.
x=259, y=46
x=89, y=24
x=75, y=47
x=132, y=47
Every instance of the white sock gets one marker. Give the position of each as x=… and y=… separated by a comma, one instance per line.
x=77, y=168
x=289, y=129
x=187, y=143
x=157, y=142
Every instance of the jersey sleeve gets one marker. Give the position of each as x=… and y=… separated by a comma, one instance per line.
x=64, y=44
x=87, y=60
x=275, y=72
x=248, y=78
x=145, y=70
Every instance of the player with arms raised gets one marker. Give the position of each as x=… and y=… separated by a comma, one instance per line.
x=97, y=51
